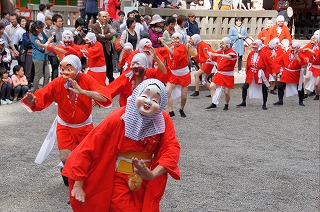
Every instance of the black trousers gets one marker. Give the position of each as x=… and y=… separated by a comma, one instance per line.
x=108, y=58
x=245, y=92
x=282, y=87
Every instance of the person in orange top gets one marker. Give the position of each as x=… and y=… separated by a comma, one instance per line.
x=263, y=34
x=73, y=91
x=226, y=59
x=180, y=78
x=292, y=76
x=201, y=58
x=126, y=82
x=123, y=164
x=256, y=76
x=96, y=61
x=279, y=30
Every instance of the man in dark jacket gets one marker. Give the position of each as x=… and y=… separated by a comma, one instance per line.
x=191, y=25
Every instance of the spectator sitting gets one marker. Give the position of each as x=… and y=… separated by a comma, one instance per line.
x=20, y=82
x=5, y=86
x=5, y=56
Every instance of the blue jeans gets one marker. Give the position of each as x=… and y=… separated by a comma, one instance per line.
x=6, y=89
x=21, y=90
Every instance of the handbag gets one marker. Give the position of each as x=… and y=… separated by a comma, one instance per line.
x=116, y=44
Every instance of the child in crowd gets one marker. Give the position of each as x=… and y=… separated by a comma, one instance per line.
x=5, y=86
x=20, y=82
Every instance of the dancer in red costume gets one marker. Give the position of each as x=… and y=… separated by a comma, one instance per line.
x=96, y=61
x=126, y=82
x=202, y=58
x=226, y=59
x=292, y=76
x=73, y=91
x=179, y=79
x=123, y=164
x=256, y=76
x=279, y=30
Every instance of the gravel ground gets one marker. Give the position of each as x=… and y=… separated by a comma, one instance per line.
x=244, y=159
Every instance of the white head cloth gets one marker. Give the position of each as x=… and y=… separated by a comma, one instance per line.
x=227, y=41
x=92, y=37
x=259, y=43
x=127, y=46
x=273, y=43
x=296, y=44
x=141, y=59
x=316, y=34
x=280, y=18
x=67, y=32
x=177, y=35
x=74, y=61
x=138, y=126
x=285, y=43
x=196, y=39
x=143, y=42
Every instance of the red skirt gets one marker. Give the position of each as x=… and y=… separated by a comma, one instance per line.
x=223, y=80
x=207, y=68
x=184, y=80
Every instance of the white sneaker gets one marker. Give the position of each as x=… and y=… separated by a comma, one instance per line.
x=8, y=101
x=3, y=102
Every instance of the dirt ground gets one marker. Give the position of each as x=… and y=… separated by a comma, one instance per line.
x=244, y=159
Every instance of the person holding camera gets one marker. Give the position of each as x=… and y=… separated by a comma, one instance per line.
x=56, y=33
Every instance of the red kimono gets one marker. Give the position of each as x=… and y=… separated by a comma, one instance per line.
x=94, y=163
x=96, y=62
x=70, y=112
x=270, y=61
x=177, y=62
x=225, y=65
x=73, y=49
x=124, y=86
x=202, y=57
x=254, y=65
x=263, y=35
x=272, y=33
x=291, y=68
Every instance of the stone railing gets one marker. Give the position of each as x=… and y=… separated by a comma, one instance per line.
x=215, y=24
x=69, y=13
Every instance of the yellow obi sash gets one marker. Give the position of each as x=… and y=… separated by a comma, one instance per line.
x=124, y=161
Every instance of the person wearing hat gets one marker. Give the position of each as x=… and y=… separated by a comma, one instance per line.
x=223, y=80
x=256, y=76
x=73, y=91
x=292, y=76
x=191, y=25
x=124, y=163
x=139, y=71
x=156, y=30
x=96, y=60
x=280, y=30
x=5, y=56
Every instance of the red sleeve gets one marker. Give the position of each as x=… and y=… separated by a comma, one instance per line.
x=169, y=149
x=44, y=96
x=118, y=85
x=103, y=90
x=123, y=59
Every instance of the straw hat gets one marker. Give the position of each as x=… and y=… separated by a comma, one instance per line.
x=156, y=19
